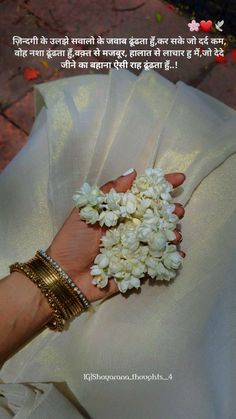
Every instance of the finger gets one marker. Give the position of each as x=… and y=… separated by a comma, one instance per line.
x=178, y=238
x=121, y=184
x=110, y=289
x=182, y=253
x=179, y=211
x=94, y=293
x=176, y=179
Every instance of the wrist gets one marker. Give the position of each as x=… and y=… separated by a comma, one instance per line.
x=30, y=297
x=23, y=313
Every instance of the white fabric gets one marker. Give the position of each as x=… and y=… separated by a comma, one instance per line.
x=34, y=401
x=188, y=328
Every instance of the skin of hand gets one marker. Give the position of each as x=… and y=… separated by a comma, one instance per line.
x=76, y=245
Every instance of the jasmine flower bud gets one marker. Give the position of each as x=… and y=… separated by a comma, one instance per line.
x=89, y=214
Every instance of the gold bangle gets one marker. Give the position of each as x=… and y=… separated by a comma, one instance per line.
x=48, y=280
x=75, y=305
x=59, y=287
x=62, y=298
x=65, y=278
x=57, y=322
x=52, y=282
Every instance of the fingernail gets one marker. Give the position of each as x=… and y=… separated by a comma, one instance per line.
x=182, y=174
x=128, y=172
x=182, y=215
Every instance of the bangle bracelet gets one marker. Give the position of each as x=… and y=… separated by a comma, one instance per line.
x=85, y=303
x=58, y=321
x=63, y=295
x=59, y=292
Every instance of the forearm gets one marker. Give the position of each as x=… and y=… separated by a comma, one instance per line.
x=23, y=313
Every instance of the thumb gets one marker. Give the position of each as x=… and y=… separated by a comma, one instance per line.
x=122, y=183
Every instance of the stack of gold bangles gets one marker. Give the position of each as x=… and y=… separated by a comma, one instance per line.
x=63, y=295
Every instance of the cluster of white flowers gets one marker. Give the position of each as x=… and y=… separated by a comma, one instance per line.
x=142, y=225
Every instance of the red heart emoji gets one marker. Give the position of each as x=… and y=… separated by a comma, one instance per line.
x=234, y=54
x=221, y=60
x=205, y=26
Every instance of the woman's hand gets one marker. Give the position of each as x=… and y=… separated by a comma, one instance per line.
x=77, y=244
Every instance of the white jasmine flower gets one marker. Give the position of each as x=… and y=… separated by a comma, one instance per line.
x=134, y=282
x=99, y=276
x=165, y=196
x=89, y=214
x=141, y=184
x=95, y=270
x=144, y=232
x=152, y=266
x=151, y=218
x=138, y=269
x=152, y=272
x=101, y=280
x=170, y=235
x=138, y=254
x=145, y=203
x=171, y=218
x=129, y=239
x=81, y=197
x=157, y=269
x=88, y=196
x=111, y=238
x=134, y=266
x=166, y=225
x=142, y=206
x=150, y=192
x=172, y=259
x=102, y=260
x=128, y=283
x=156, y=253
x=135, y=222
x=121, y=275
x=155, y=173
x=168, y=208
x=95, y=196
x=123, y=286
x=167, y=221
x=142, y=252
x=109, y=218
x=157, y=241
x=164, y=273
x=116, y=265
x=113, y=200
x=128, y=204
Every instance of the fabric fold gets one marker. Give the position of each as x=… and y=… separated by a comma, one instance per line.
x=198, y=136
x=136, y=139
x=121, y=85
x=33, y=400
x=75, y=110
